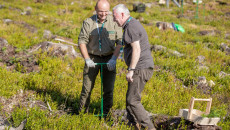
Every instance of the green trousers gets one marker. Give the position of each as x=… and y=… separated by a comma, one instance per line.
x=89, y=76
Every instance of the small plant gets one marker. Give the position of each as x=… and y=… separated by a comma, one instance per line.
x=215, y=113
x=4, y=49
x=18, y=116
x=12, y=60
x=20, y=67
x=182, y=124
x=1, y=106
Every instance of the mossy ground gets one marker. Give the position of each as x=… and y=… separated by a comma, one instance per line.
x=59, y=81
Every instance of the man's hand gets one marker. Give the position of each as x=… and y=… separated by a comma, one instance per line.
x=129, y=76
x=90, y=63
x=112, y=63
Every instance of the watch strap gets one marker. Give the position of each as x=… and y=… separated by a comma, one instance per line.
x=130, y=69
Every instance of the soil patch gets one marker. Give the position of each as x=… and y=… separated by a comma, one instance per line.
x=56, y=49
x=163, y=122
x=26, y=61
x=23, y=99
x=19, y=61
x=26, y=99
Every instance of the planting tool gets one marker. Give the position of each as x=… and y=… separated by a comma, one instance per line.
x=101, y=87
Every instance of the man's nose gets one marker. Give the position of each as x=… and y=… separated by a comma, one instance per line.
x=104, y=13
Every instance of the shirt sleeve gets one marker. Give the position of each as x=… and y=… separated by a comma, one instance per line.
x=132, y=35
x=83, y=37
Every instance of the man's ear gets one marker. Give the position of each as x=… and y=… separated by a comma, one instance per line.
x=122, y=15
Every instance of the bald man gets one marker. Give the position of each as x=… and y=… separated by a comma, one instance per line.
x=99, y=42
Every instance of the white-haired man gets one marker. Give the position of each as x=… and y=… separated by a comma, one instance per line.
x=137, y=55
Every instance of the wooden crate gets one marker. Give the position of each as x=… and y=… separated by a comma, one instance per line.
x=196, y=115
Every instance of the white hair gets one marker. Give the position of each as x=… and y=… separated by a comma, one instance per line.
x=122, y=8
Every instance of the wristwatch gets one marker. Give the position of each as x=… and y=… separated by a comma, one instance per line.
x=130, y=69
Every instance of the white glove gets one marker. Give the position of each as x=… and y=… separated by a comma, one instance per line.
x=90, y=63
x=112, y=63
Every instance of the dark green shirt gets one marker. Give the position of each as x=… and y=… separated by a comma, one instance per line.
x=110, y=34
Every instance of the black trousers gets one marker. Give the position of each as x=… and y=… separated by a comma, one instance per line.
x=89, y=76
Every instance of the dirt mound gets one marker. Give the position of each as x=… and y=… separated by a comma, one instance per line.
x=163, y=121
x=166, y=122
x=19, y=61
x=26, y=61
x=56, y=49
x=27, y=26
x=26, y=99
x=21, y=99
x=210, y=32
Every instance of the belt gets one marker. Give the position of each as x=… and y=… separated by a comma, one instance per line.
x=110, y=55
x=151, y=68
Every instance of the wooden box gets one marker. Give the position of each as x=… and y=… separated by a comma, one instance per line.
x=196, y=115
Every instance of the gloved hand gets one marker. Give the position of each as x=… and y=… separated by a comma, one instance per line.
x=112, y=63
x=90, y=63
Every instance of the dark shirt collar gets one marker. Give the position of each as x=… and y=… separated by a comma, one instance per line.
x=126, y=22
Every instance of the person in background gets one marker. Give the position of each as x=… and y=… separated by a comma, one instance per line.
x=137, y=55
x=97, y=39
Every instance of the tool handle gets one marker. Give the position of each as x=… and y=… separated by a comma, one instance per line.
x=101, y=63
